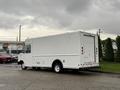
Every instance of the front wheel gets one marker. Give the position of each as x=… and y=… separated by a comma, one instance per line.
x=57, y=68
x=23, y=67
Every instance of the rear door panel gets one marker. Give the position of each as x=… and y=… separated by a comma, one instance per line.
x=88, y=48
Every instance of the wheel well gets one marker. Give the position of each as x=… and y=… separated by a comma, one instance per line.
x=57, y=61
x=20, y=62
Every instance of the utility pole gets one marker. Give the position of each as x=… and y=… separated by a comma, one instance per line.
x=17, y=39
x=19, y=33
x=99, y=31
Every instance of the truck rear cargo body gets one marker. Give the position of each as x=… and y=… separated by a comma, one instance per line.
x=71, y=50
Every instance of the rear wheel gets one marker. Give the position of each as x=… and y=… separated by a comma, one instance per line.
x=57, y=67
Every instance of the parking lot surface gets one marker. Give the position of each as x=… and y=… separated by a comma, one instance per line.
x=13, y=78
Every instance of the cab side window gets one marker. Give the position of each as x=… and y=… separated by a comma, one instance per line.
x=28, y=48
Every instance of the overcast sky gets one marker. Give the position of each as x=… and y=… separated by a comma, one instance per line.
x=40, y=17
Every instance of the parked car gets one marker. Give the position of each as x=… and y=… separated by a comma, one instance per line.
x=15, y=57
x=6, y=58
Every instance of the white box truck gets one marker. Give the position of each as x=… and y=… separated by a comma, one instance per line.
x=73, y=50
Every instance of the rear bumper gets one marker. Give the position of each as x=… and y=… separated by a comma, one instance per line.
x=88, y=66
x=84, y=65
x=93, y=67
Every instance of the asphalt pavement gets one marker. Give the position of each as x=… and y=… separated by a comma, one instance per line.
x=13, y=78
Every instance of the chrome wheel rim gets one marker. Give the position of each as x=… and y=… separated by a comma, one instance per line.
x=57, y=68
x=22, y=66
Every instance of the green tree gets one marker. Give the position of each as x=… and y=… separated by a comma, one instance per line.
x=108, y=50
x=100, y=48
x=118, y=49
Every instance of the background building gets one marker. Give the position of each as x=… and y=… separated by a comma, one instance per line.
x=11, y=47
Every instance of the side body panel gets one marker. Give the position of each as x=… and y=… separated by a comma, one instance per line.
x=64, y=47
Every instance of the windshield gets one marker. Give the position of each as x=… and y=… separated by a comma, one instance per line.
x=27, y=48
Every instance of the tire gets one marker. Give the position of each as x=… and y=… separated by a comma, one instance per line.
x=23, y=67
x=57, y=67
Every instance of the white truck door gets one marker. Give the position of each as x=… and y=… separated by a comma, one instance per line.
x=88, y=49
